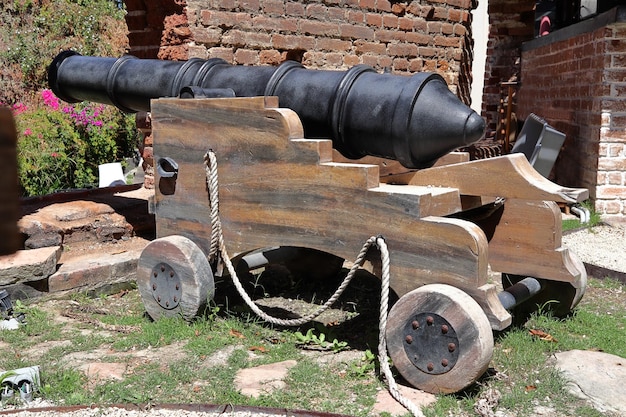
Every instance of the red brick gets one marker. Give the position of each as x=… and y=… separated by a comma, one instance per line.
x=611, y=191
x=249, y=5
x=351, y=60
x=385, y=62
x=367, y=4
x=385, y=35
x=222, y=19
x=455, y=15
x=398, y=9
x=400, y=64
x=434, y=27
x=337, y=14
x=406, y=23
x=234, y=38
x=414, y=8
x=270, y=57
x=295, y=9
x=373, y=19
x=319, y=28
x=316, y=10
x=246, y=57
x=402, y=50
x=440, y=13
x=447, y=41
x=416, y=65
x=616, y=178
x=370, y=60
x=334, y=59
x=363, y=47
x=390, y=21
x=276, y=7
x=220, y=52
x=147, y=38
x=427, y=52
x=459, y=30
x=356, y=16
x=419, y=38
x=383, y=5
x=447, y=28
x=211, y=37
x=356, y=32
x=326, y=44
x=287, y=42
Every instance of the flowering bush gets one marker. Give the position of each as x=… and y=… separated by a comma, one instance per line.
x=61, y=146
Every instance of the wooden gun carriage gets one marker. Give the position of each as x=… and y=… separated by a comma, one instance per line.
x=445, y=226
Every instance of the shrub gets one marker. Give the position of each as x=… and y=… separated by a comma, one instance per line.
x=32, y=32
x=60, y=147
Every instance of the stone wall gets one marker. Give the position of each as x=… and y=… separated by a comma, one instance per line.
x=575, y=78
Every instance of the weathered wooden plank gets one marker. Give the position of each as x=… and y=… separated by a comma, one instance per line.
x=531, y=231
x=509, y=176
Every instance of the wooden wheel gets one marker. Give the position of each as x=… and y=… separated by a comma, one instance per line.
x=174, y=278
x=439, y=338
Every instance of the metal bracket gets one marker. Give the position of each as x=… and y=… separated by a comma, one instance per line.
x=431, y=343
x=166, y=286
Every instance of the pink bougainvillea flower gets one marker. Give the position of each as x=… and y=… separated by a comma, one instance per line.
x=54, y=154
x=19, y=108
x=27, y=132
x=50, y=99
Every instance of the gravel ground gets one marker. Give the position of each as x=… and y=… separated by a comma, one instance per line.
x=604, y=245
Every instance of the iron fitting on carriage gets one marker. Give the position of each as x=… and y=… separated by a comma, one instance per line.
x=414, y=120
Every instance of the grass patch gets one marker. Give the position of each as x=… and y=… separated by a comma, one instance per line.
x=197, y=362
x=574, y=224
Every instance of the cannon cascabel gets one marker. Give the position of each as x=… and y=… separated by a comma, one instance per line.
x=412, y=119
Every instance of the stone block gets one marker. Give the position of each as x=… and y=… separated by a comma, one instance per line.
x=29, y=265
x=95, y=272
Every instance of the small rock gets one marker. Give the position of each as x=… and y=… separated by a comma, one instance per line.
x=98, y=371
x=594, y=376
x=385, y=403
x=262, y=379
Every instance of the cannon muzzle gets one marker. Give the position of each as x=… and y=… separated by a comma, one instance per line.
x=414, y=120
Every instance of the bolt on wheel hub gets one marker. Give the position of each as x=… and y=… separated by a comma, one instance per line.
x=166, y=287
x=431, y=343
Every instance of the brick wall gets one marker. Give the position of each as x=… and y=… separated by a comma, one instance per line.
x=575, y=78
x=401, y=37
x=395, y=36
x=511, y=22
x=158, y=28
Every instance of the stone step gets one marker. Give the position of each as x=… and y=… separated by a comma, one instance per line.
x=87, y=240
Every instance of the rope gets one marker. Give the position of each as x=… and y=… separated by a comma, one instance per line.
x=219, y=248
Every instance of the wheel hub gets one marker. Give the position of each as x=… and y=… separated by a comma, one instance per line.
x=431, y=343
x=166, y=287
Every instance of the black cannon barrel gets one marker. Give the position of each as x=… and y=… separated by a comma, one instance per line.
x=414, y=120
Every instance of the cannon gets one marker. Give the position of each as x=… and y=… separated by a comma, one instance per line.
x=472, y=244
x=363, y=112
